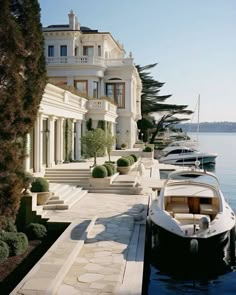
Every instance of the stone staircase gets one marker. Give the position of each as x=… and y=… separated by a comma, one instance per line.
x=64, y=196
x=118, y=186
x=77, y=177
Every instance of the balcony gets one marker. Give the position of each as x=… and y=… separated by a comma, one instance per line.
x=88, y=60
x=102, y=109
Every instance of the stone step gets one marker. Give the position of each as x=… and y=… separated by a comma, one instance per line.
x=67, y=170
x=67, y=178
x=68, y=181
x=67, y=173
x=123, y=185
x=112, y=191
x=68, y=203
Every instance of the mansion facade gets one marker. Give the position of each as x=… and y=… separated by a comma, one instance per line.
x=108, y=93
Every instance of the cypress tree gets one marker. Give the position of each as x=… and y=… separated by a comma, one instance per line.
x=22, y=82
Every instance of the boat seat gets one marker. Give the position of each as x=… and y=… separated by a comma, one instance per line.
x=188, y=218
x=208, y=209
x=178, y=208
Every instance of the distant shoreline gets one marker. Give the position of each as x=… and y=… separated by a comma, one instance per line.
x=227, y=127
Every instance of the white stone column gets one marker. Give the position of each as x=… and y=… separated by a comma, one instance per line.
x=38, y=147
x=60, y=141
x=78, y=141
x=73, y=140
x=51, y=144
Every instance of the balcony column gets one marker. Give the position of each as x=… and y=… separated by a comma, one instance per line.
x=102, y=88
x=78, y=141
x=60, y=141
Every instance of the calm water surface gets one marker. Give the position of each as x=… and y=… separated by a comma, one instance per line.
x=224, y=144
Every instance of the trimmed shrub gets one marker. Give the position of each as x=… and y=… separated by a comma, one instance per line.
x=109, y=169
x=131, y=159
x=99, y=172
x=35, y=231
x=4, y=251
x=40, y=184
x=135, y=157
x=123, y=162
x=147, y=149
x=17, y=242
x=113, y=167
x=124, y=145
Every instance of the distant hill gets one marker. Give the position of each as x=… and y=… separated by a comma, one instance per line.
x=208, y=127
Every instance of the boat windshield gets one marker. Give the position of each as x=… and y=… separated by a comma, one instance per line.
x=197, y=178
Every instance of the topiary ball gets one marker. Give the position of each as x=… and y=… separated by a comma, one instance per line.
x=35, y=231
x=99, y=172
x=147, y=149
x=4, y=251
x=40, y=184
x=135, y=157
x=123, y=162
x=131, y=159
x=109, y=169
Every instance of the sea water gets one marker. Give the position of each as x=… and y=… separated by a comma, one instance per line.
x=224, y=144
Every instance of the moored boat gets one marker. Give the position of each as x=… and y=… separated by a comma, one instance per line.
x=182, y=155
x=191, y=218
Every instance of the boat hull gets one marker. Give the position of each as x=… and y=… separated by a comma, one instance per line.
x=189, y=161
x=173, y=246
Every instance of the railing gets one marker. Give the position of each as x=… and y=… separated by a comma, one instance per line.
x=101, y=104
x=90, y=60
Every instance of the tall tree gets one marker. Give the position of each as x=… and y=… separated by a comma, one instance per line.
x=169, y=118
x=152, y=102
x=22, y=82
x=150, y=97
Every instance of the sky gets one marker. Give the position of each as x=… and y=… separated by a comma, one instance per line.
x=193, y=42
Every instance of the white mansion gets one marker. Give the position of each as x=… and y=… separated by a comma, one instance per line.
x=110, y=93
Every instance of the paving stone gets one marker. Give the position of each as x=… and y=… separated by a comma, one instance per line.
x=38, y=284
x=97, y=286
x=65, y=289
x=90, y=277
x=93, y=267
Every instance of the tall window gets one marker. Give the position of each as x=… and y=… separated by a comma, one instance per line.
x=99, y=50
x=95, y=89
x=88, y=50
x=50, y=50
x=81, y=86
x=63, y=50
x=116, y=92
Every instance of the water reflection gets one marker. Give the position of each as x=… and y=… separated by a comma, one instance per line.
x=189, y=277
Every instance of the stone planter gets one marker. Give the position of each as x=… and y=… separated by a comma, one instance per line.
x=139, y=145
x=102, y=182
x=124, y=170
x=43, y=197
x=148, y=155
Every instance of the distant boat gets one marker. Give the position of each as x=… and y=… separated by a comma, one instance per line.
x=179, y=143
x=191, y=218
x=181, y=155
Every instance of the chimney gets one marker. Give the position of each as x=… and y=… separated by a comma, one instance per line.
x=72, y=20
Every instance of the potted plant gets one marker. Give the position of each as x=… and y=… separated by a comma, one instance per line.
x=148, y=152
x=40, y=185
x=124, y=146
x=123, y=165
x=102, y=176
